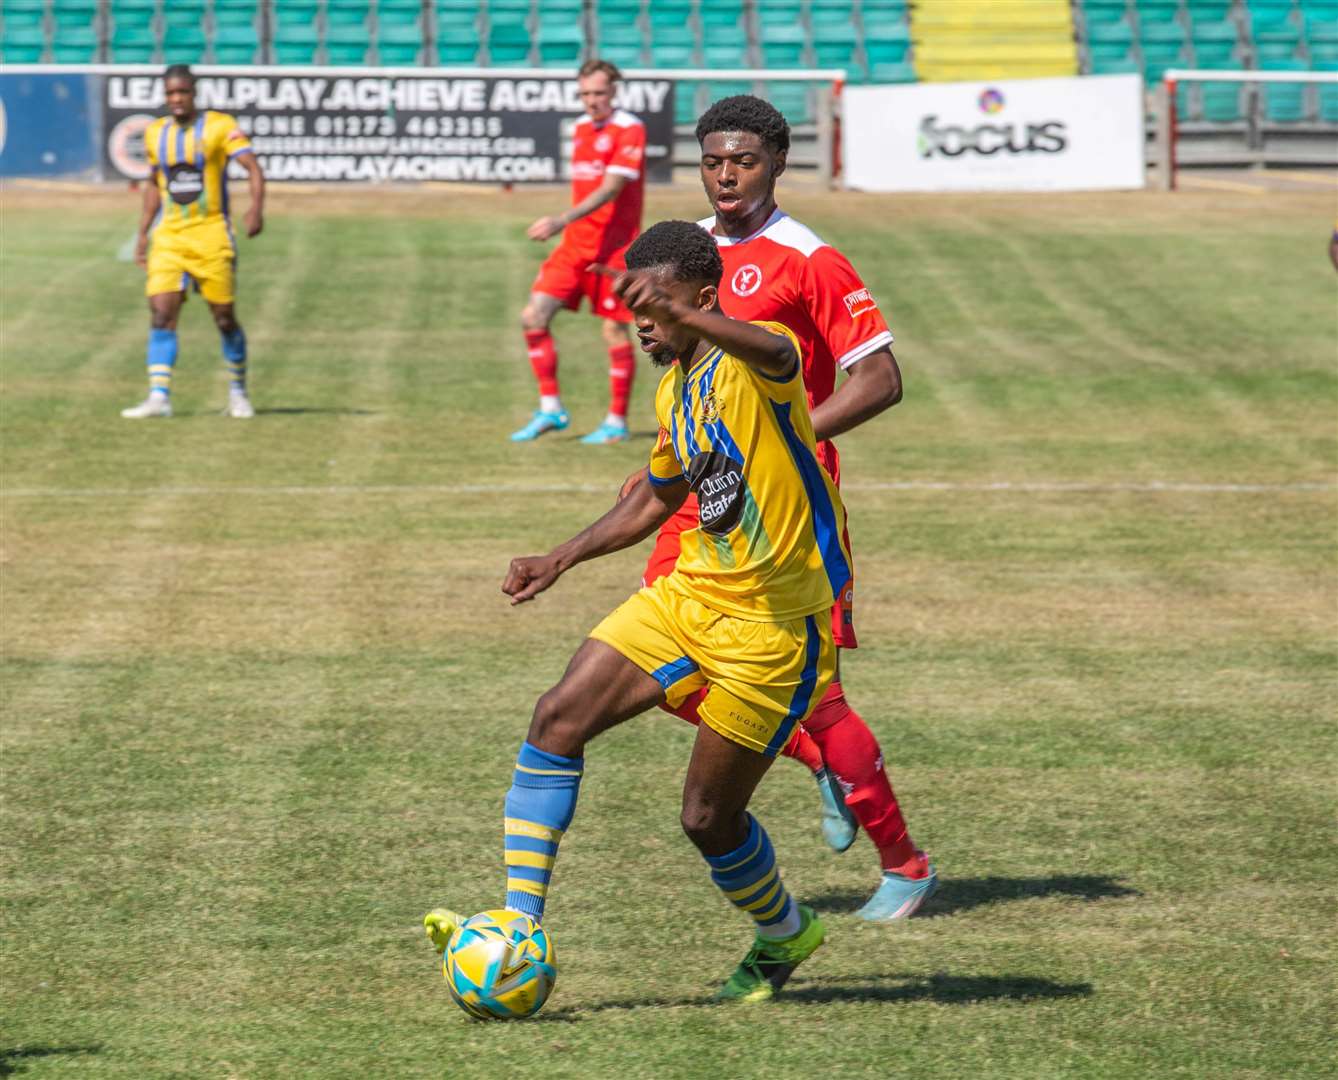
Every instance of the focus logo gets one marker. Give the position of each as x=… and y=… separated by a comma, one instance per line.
x=952, y=140
x=185, y=183
x=991, y=101
x=858, y=302
x=746, y=280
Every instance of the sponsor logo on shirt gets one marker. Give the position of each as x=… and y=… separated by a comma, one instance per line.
x=858, y=302
x=185, y=183
x=717, y=481
x=746, y=280
x=587, y=170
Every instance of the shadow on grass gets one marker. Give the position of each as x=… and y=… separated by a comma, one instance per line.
x=15, y=1059
x=963, y=894
x=893, y=988
x=298, y=410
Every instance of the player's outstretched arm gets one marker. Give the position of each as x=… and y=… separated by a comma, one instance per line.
x=646, y=508
x=608, y=190
x=873, y=385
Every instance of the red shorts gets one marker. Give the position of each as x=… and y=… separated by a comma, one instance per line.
x=564, y=277
x=665, y=555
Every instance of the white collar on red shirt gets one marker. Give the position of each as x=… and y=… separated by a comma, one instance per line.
x=729, y=241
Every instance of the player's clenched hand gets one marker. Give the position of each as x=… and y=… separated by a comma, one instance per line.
x=544, y=228
x=254, y=221
x=639, y=291
x=530, y=575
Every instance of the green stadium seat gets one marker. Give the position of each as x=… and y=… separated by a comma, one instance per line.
x=184, y=45
x=881, y=47
x=891, y=71
x=620, y=35
x=792, y=100
x=782, y=45
x=1214, y=54
x=1157, y=12
x=74, y=45
x=571, y=9
x=1112, y=33
x=508, y=44
x=460, y=48
x=399, y=13
x=457, y=21
x=294, y=13
x=1321, y=30
x=723, y=88
x=560, y=46
x=508, y=13
x=347, y=12
x=686, y=94
x=1100, y=11
x=295, y=43
x=185, y=12
x=347, y=44
x=673, y=56
x=236, y=13
x=662, y=13
x=133, y=45
x=132, y=12
x=1323, y=53
x=397, y=44
x=1328, y=103
x=1219, y=32
x=828, y=12
x=730, y=54
x=235, y=44
x=19, y=13
x=1264, y=18
x=898, y=8
x=1162, y=34
x=834, y=45
x=722, y=13
x=1221, y=102
x=1108, y=50
x=1116, y=65
x=624, y=56
x=22, y=44
x=1284, y=103
x=74, y=14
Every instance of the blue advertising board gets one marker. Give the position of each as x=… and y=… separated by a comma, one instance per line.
x=49, y=123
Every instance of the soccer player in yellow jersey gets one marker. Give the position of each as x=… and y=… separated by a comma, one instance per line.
x=186, y=214
x=744, y=612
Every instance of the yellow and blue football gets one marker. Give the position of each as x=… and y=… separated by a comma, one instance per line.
x=500, y=965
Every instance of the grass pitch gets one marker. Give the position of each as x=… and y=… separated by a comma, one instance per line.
x=262, y=695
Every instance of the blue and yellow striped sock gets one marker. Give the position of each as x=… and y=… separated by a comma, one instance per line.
x=162, y=357
x=234, y=357
x=751, y=882
x=539, y=807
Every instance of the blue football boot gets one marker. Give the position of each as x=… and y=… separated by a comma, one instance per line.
x=539, y=423
x=839, y=827
x=898, y=896
x=606, y=435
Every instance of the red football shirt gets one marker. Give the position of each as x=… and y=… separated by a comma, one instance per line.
x=784, y=273
x=618, y=145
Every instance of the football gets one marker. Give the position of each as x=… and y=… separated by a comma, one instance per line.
x=500, y=965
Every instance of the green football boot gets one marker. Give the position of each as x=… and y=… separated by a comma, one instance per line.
x=440, y=923
x=771, y=961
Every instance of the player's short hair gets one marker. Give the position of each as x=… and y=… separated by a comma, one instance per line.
x=744, y=112
x=687, y=249
x=595, y=66
x=179, y=71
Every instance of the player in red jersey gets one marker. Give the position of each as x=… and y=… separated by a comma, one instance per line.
x=776, y=268
x=608, y=184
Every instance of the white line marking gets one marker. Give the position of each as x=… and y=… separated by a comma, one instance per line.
x=1153, y=487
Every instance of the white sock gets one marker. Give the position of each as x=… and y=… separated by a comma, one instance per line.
x=614, y=420
x=550, y=403
x=787, y=927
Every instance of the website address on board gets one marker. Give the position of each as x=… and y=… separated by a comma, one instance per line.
x=373, y=169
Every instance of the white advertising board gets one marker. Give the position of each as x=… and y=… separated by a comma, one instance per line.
x=1006, y=135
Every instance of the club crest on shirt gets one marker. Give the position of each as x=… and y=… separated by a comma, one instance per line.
x=746, y=280
x=603, y=142
x=710, y=407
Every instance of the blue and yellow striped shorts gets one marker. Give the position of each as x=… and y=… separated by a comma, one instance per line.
x=762, y=678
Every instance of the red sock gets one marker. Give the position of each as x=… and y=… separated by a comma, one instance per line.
x=543, y=359
x=850, y=750
x=803, y=749
x=622, y=366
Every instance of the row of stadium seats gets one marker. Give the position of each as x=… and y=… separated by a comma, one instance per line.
x=993, y=39
x=1149, y=37
x=869, y=38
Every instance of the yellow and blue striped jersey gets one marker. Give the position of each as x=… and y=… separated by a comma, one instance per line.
x=189, y=163
x=770, y=542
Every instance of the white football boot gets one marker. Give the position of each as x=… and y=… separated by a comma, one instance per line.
x=154, y=405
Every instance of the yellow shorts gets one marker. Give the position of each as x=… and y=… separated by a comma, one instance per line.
x=201, y=255
x=763, y=678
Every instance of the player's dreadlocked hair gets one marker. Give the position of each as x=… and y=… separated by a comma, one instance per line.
x=686, y=248
x=744, y=112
